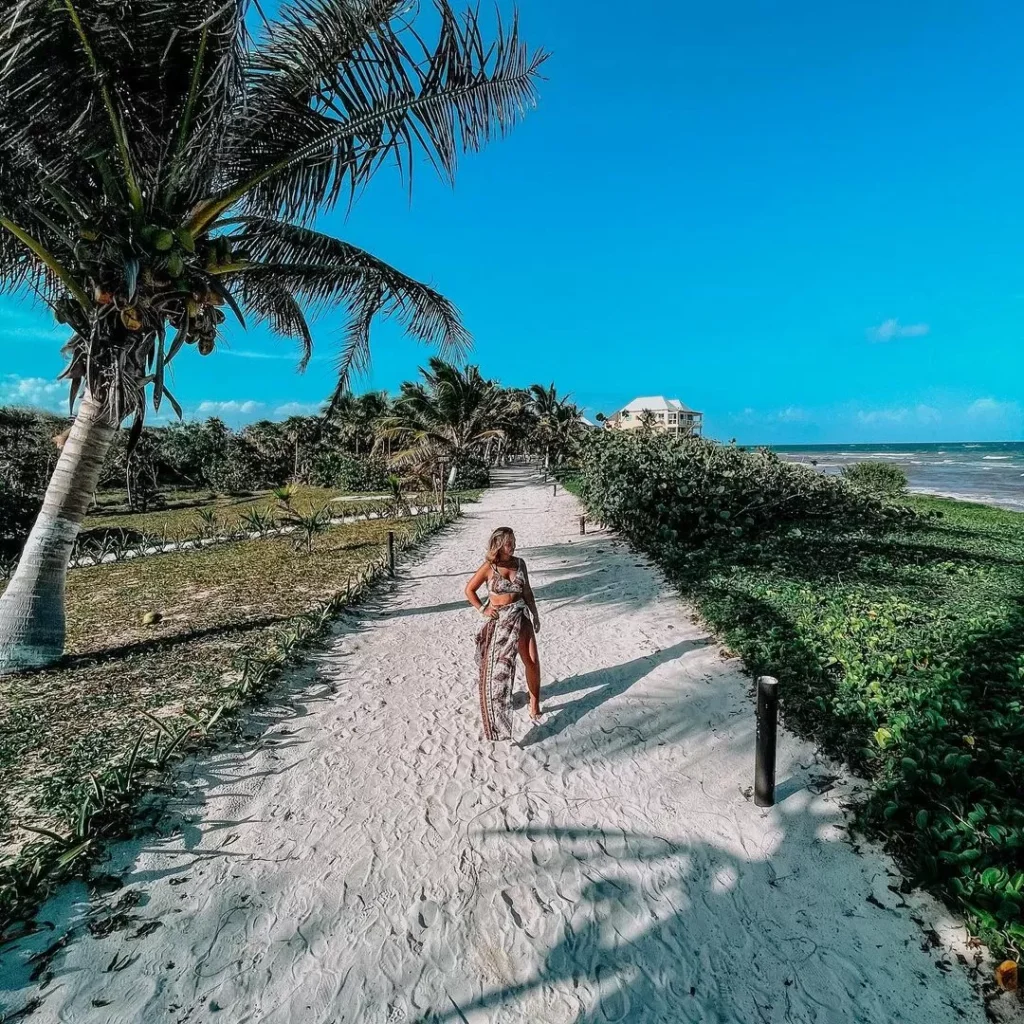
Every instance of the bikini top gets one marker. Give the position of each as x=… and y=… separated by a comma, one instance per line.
x=499, y=585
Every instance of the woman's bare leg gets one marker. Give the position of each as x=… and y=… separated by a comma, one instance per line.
x=531, y=662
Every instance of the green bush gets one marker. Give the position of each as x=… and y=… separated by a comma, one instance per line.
x=667, y=493
x=879, y=478
x=17, y=514
x=472, y=474
x=349, y=472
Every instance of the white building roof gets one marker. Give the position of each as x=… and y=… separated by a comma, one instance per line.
x=586, y=422
x=656, y=403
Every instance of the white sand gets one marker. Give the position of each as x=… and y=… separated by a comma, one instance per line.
x=374, y=860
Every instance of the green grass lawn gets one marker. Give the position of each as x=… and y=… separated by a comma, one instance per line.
x=181, y=517
x=182, y=514
x=216, y=604
x=904, y=655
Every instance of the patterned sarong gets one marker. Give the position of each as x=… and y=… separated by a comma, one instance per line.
x=497, y=650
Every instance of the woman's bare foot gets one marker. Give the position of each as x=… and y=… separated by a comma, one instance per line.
x=535, y=712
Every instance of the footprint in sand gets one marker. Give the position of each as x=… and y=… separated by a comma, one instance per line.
x=615, y=1003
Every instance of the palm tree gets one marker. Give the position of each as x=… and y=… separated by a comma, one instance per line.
x=353, y=419
x=516, y=418
x=547, y=405
x=160, y=165
x=450, y=416
x=562, y=431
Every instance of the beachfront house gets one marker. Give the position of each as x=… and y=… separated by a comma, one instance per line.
x=664, y=414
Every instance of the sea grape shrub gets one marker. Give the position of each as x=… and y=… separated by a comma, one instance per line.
x=695, y=493
x=879, y=478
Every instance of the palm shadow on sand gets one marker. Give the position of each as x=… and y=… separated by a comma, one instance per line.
x=661, y=926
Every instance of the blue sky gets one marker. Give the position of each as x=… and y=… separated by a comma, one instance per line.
x=804, y=219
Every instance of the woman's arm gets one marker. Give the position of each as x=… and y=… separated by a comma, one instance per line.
x=531, y=601
x=474, y=585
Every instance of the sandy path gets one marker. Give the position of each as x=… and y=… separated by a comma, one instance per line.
x=374, y=860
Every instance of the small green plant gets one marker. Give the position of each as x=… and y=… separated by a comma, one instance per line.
x=260, y=522
x=207, y=522
x=285, y=494
x=308, y=525
x=882, y=479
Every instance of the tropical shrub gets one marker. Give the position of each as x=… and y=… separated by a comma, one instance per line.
x=17, y=514
x=471, y=474
x=880, y=478
x=349, y=472
x=28, y=451
x=666, y=493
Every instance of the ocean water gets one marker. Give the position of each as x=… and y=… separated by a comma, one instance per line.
x=992, y=473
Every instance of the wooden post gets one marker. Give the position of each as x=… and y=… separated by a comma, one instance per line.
x=554, y=490
x=444, y=481
x=583, y=526
x=391, y=552
x=348, y=590
x=767, y=734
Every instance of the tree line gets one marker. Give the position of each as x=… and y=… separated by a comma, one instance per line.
x=451, y=418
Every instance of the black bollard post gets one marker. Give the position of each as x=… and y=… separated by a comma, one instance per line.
x=391, y=552
x=554, y=490
x=583, y=526
x=767, y=733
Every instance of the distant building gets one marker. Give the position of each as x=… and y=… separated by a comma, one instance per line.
x=665, y=414
x=587, y=423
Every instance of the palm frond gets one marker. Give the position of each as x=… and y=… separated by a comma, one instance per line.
x=326, y=272
x=129, y=129
x=271, y=302
x=339, y=86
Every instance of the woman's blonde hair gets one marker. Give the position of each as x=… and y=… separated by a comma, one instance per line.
x=501, y=536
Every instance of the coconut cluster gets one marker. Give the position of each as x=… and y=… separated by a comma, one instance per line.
x=156, y=275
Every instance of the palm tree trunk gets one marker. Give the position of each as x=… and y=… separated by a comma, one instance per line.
x=32, y=606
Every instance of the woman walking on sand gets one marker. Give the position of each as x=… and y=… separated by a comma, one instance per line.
x=506, y=634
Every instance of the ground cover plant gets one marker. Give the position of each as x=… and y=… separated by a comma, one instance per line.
x=897, y=633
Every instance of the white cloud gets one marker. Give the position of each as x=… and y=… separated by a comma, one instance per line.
x=37, y=392
x=991, y=409
x=292, y=357
x=231, y=408
x=890, y=330
x=297, y=409
x=910, y=414
x=792, y=414
x=244, y=353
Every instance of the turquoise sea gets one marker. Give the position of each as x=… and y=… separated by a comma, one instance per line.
x=992, y=473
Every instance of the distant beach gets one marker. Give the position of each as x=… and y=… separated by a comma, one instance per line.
x=992, y=473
